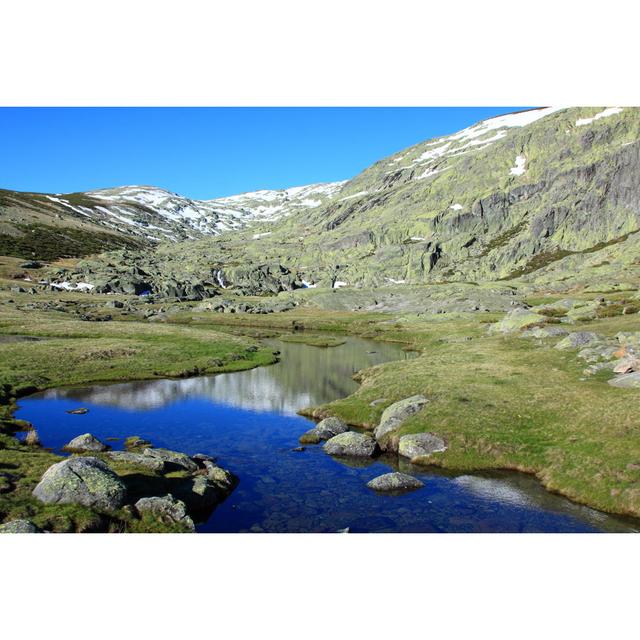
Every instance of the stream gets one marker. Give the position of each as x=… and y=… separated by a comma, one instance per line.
x=247, y=420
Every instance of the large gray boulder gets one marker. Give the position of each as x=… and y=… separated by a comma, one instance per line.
x=394, y=417
x=352, y=444
x=86, y=481
x=19, y=526
x=181, y=460
x=166, y=509
x=137, y=459
x=84, y=443
x=394, y=482
x=415, y=445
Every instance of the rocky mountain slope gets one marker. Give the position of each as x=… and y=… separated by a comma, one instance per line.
x=548, y=195
x=80, y=223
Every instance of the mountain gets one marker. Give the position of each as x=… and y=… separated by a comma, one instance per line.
x=542, y=196
x=80, y=223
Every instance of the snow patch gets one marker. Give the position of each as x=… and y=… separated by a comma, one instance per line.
x=396, y=281
x=307, y=285
x=68, y=286
x=610, y=111
x=354, y=195
x=519, y=169
x=257, y=236
x=338, y=283
x=456, y=207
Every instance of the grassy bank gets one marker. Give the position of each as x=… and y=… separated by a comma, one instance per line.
x=42, y=350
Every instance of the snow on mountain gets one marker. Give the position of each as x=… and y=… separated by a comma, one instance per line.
x=160, y=214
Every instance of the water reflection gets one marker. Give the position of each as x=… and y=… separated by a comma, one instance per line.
x=305, y=376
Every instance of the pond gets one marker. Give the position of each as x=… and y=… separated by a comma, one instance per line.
x=248, y=422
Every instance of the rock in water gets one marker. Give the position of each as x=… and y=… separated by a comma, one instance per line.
x=175, y=458
x=330, y=427
x=420, y=444
x=85, y=442
x=19, y=526
x=395, y=482
x=86, y=481
x=351, y=443
x=166, y=509
x=78, y=412
x=324, y=430
x=393, y=418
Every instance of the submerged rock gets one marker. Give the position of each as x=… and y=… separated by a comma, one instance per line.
x=19, y=526
x=78, y=412
x=169, y=457
x=86, y=481
x=166, y=509
x=420, y=444
x=394, y=417
x=351, y=444
x=85, y=442
x=395, y=482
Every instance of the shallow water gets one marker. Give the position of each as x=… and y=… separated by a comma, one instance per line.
x=248, y=421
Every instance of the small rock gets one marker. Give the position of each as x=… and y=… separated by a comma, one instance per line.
x=166, y=509
x=377, y=401
x=169, y=457
x=299, y=449
x=19, y=526
x=85, y=442
x=310, y=437
x=420, y=444
x=202, y=457
x=394, y=482
x=351, y=444
x=136, y=442
x=78, y=412
x=86, y=481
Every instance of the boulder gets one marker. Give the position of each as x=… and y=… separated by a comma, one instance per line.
x=222, y=478
x=86, y=481
x=394, y=417
x=310, y=437
x=420, y=444
x=19, y=526
x=627, y=365
x=137, y=459
x=330, y=427
x=85, y=442
x=351, y=443
x=166, y=509
x=579, y=339
x=395, y=482
x=200, y=493
x=172, y=458
x=551, y=331
x=626, y=380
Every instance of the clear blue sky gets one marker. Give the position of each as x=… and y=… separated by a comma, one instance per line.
x=209, y=152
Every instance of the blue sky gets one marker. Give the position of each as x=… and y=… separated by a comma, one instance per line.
x=209, y=152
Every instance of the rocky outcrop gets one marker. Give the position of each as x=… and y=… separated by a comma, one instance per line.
x=579, y=339
x=137, y=459
x=166, y=509
x=395, y=482
x=85, y=443
x=86, y=481
x=392, y=419
x=351, y=444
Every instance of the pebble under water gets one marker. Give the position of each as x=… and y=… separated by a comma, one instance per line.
x=248, y=421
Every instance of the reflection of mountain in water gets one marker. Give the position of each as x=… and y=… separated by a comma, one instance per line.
x=304, y=376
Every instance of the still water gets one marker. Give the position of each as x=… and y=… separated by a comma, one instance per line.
x=248, y=421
